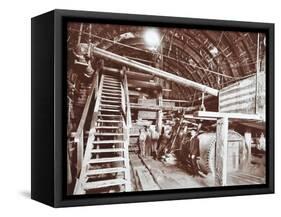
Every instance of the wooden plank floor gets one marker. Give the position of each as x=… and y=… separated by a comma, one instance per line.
x=239, y=178
x=170, y=176
x=150, y=174
x=141, y=177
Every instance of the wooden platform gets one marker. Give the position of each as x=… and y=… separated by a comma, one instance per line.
x=149, y=174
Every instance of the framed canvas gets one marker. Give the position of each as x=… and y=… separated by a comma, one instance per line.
x=133, y=108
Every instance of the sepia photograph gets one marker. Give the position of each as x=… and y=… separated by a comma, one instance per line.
x=153, y=108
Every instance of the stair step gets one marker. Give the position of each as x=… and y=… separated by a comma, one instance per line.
x=116, y=118
x=108, y=142
x=110, y=110
x=111, y=94
x=110, y=106
x=111, y=101
x=111, y=90
x=107, y=127
x=111, y=87
x=110, y=80
x=106, y=150
x=109, y=121
x=106, y=115
x=115, y=82
x=111, y=77
x=106, y=170
x=106, y=160
x=111, y=97
x=109, y=134
x=111, y=84
x=104, y=183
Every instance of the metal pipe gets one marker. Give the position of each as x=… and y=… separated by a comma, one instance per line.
x=157, y=72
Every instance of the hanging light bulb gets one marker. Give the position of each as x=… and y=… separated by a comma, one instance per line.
x=152, y=38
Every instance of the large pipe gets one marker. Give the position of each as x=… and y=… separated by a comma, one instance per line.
x=157, y=72
x=130, y=74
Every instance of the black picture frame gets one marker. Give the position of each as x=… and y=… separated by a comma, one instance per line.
x=49, y=108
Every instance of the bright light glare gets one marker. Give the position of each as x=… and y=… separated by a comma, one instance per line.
x=152, y=38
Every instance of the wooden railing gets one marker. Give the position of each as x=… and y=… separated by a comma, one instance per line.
x=91, y=137
x=126, y=121
x=97, y=104
x=79, y=135
x=126, y=107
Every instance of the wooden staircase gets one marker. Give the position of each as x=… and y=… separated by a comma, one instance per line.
x=106, y=159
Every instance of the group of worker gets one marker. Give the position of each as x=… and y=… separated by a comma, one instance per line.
x=176, y=138
x=148, y=141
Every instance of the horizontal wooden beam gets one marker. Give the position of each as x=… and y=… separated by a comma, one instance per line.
x=199, y=118
x=157, y=107
x=253, y=124
x=227, y=115
x=154, y=71
x=177, y=100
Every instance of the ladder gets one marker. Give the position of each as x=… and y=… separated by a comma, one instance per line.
x=106, y=159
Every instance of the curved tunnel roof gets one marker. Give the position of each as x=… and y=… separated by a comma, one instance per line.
x=212, y=58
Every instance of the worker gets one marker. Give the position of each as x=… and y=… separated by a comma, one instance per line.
x=174, y=134
x=194, y=152
x=154, y=141
x=163, y=140
x=148, y=142
x=142, y=141
x=180, y=143
x=262, y=144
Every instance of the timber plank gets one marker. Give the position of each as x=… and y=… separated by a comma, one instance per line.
x=141, y=181
x=105, y=171
x=170, y=176
x=164, y=181
x=146, y=180
x=108, y=141
x=107, y=150
x=106, y=160
x=105, y=183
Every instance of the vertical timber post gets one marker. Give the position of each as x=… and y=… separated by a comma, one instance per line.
x=80, y=34
x=257, y=72
x=248, y=144
x=221, y=152
x=80, y=151
x=158, y=63
x=160, y=112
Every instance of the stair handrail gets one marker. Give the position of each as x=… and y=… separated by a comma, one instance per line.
x=79, y=135
x=126, y=120
x=128, y=106
x=97, y=103
x=123, y=104
x=91, y=137
x=125, y=89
